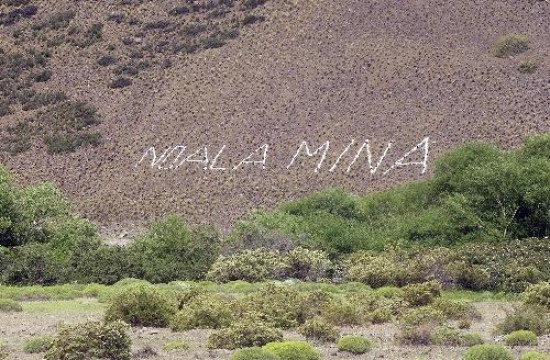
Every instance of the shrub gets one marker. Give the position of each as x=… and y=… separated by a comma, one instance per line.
x=517, y=277
x=456, y=310
x=538, y=294
x=280, y=305
x=521, y=338
x=354, y=344
x=250, y=19
x=343, y=312
x=510, y=45
x=528, y=66
x=140, y=305
x=170, y=250
x=447, y=336
x=467, y=276
x=416, y=326
x=375, y=271
x=247, y=265
x=120, y=83
x=247, y=332
x=534, y=355
x=422, y=294
x=106, y=60
x=292, y=350
x=251, y=4
x=176, y=345
x=38, y=344
x=532, y=318
x=8, y=305
x=203, y=314
x=91, y=340
x=488, y=352
x=253, y=354
x=319, y=329
x=307, y=265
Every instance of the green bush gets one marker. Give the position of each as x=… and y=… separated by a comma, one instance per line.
x=319, y=329
x=456, y=310
x=38, y=344
x=528, y=317
x=521, y=338
x=488, y=352
x=292, y=350
x=202, y=314
x=140, y=305
x=307, y=265
x=91, y=340
x=375, y=271
x=467, y=276
x=343, y=312
x=538, y=294
x=280, y=305
x=354, y=344
x=417, y=326
x=528, y=66
x=447, y=336
x=510, y=45
x=247, y=332
x=247, y=265
x=9, y=305
x=253, y=354
x=422, y=294
x=534, y=355
x=170, y=250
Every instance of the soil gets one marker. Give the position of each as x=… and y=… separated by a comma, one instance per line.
x=388, y=71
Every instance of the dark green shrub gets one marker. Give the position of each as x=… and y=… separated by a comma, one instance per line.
x=38, y=344
x=467, y=276
x=456, y=310
x=292, y=350
x=247, y=332
x=510, y=45
x=488, y=352
x=447, y=336
x=91, y=340
x=319, y=329
x=251, y=4
x=9, y=305
x=422, y=294
x=521, y=338
x=354, y=344
x=170, y=251
x=106, y=60
x=140, y=305
x=250, y=19
x=247, y=265
x=375, y=271
x=343, y=312
x=253, y=354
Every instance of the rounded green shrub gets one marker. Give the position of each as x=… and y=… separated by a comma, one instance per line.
x=38, y=344
x=488, y=352
x=468, y=276
x=521, y=338
x=91, y=340
x=447, y=336
x=253, y=354
x=510, y=45
x=534, y=355
x=204, y=314
x=140, y=305
x=176, y=345
x=248, y=332
x=9, y=305
x=456, y=310
x=307, y=265
x=422, y=294
x=538, y=294
x=247, y=265
x=354, y=344
x=292, y=350
x=527, y=317
x=319, y=329
x=343, y=312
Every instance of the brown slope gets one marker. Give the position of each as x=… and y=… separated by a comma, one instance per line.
x=390, y=71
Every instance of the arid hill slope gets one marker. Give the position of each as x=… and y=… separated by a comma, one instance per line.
x=390, y=71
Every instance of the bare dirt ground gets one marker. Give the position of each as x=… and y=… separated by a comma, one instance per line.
x=390, y=71
x=20, y=327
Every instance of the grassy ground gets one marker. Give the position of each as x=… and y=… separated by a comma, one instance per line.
x=46, y=308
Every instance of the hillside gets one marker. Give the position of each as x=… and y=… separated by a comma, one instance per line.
x=251, y=80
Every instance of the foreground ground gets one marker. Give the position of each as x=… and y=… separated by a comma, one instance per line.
x=43, y=317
